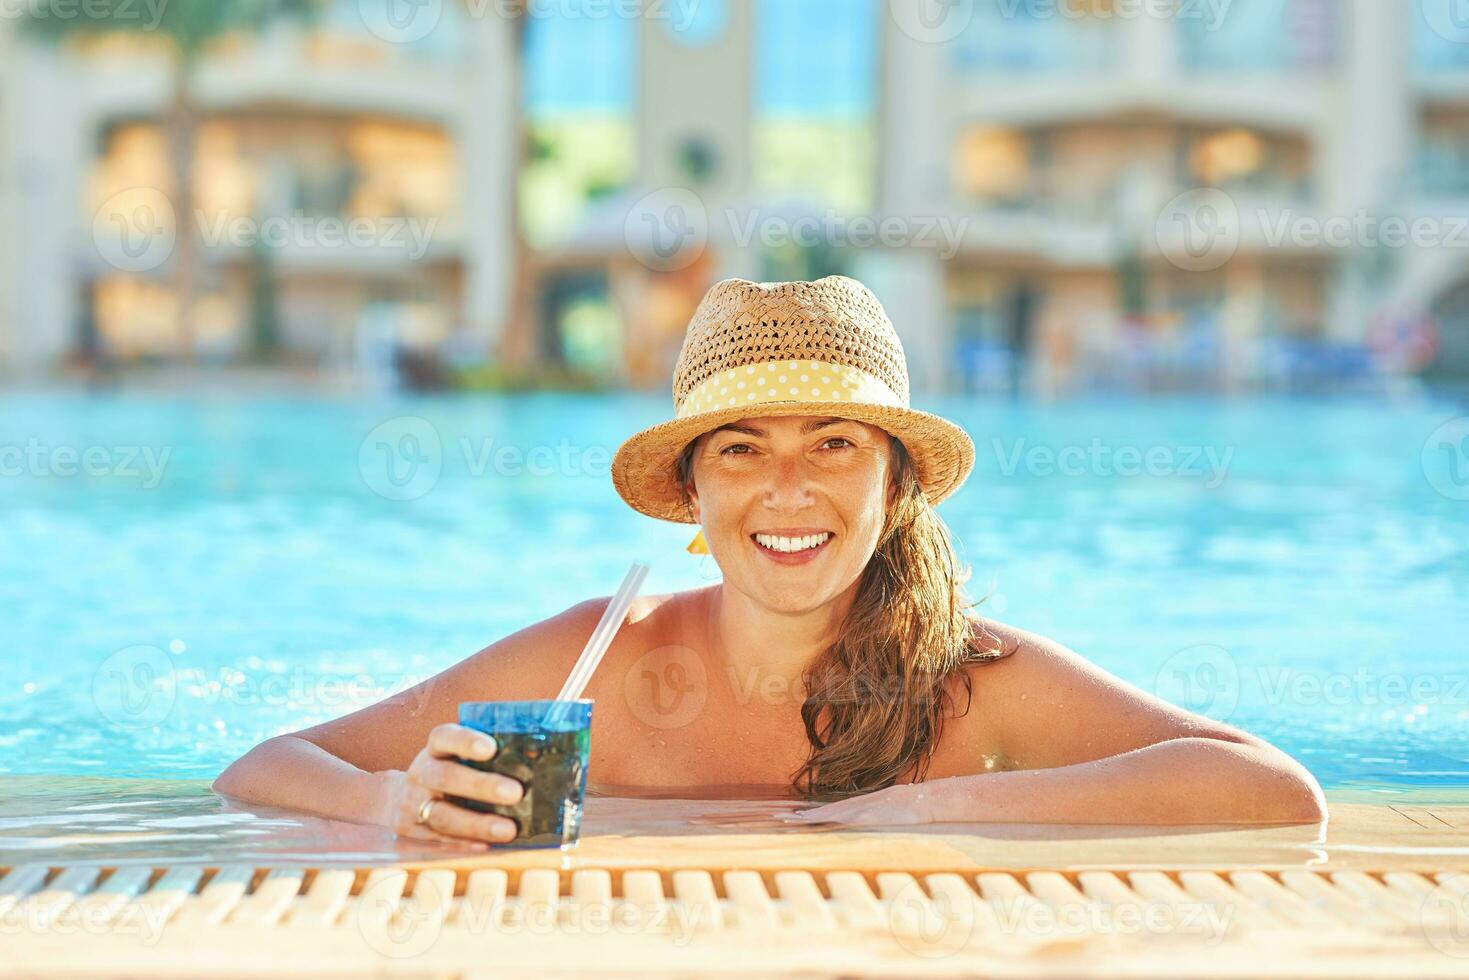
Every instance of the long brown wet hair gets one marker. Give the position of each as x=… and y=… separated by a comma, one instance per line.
x=877, y=699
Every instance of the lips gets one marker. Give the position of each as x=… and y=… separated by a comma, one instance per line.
x=790, y=543
x=792, y=549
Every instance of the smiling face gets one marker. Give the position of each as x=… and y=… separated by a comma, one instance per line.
x=792, y=507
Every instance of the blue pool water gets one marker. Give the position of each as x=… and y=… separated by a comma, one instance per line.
x=181, y=577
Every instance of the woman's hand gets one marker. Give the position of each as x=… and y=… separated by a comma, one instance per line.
x=434, y=773
x=902, y=803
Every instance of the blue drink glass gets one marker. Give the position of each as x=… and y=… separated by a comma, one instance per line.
x=544, y=745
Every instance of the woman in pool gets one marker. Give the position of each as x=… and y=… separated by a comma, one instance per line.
x=834, y=660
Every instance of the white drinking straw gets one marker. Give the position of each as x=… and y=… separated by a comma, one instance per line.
x=601, y=638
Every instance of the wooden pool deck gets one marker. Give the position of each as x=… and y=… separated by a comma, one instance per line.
x=714, y=887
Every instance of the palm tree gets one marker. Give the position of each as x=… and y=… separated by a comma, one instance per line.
x=188, y=28
x=518, y=340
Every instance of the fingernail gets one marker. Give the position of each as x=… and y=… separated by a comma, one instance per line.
x=484, y=746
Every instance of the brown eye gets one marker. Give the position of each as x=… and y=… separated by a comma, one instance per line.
x=735, y=445
x=842, y=439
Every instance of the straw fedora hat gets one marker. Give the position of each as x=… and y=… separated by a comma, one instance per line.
x=787, y=348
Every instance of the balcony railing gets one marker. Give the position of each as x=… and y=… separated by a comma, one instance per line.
x=1012, y=38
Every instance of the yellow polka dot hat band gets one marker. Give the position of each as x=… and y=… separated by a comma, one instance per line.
x=787, y=348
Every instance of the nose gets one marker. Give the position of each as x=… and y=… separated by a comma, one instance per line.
x=789, y=486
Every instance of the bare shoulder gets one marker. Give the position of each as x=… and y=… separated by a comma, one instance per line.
x=1010, y=654
x=549, y=649
x=1047, y=705
x=528, y=664
x=672, y=618
x=993, y=692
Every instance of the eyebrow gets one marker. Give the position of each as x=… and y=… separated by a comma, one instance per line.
x=751, y=430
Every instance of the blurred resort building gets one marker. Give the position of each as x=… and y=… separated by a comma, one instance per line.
x=1054, y=195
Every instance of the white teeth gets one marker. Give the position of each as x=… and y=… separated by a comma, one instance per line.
x=777, y=543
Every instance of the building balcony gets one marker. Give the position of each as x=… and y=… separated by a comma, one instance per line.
x=277, y=73
x=1297, y=104
x=394, y=248
x=1100, y=233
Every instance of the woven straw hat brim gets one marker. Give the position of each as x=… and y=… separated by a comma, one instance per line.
x=643, y=469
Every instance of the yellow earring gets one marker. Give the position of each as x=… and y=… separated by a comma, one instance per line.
x=698, y=546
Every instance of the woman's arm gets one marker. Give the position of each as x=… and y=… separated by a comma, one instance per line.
x=354, y=767
x=1191, y=780
x=1078, y=745
x=292, y=772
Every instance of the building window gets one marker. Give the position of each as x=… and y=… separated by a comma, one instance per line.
x=1013, y=36
x=1438, y=40
x=815, y=81
x=1242, y=159
x=1261, y=35
x=579, y=83
x=992, y=163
